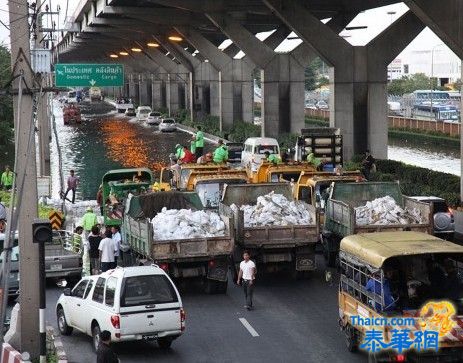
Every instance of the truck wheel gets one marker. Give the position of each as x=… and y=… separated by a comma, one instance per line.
x=63, y=326
x=164, y=343
x=351, y=338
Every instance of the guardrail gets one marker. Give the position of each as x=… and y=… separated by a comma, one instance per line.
x=449, y=128
x=10, y=355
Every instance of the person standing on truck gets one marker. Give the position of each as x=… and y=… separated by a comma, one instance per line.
x=193, y=145
x=204, y=159
x=6, y=181
x=106, y=249
x=316, y=162
x=104, y=353
x=221, y=153
x=94, y=239
x=248, y=275
x=116, y=237
x=272, y=158
x=89, y=220
x=179, y=154
x=368, y=165
x=72, y=185
x=199, y=142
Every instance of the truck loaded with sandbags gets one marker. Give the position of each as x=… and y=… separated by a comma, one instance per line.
x=365, y=207
x=276, y=229
x=173, y=230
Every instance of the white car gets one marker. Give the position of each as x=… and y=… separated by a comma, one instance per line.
x=132, y=303
x=167, y=124
x=154, y=118
x=143, y=112
x=254, y=149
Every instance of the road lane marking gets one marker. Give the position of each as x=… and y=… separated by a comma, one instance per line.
x=249, y=327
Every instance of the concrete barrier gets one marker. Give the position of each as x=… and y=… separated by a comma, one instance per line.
x=10, y=355
x=56, y=345
x=209, y=137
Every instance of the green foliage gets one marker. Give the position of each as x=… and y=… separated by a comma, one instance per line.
x=242, y=130
x=313, y=78
x=408, y=84
x=287, y=141
x=316, y=121
x=5, y=197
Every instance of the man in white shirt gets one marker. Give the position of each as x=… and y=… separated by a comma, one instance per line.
x=106, y=248
x=248, y=275
x=116, y=231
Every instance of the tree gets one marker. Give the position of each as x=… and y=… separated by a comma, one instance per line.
x=6, y=110
x=409, y=84
x=313, y=75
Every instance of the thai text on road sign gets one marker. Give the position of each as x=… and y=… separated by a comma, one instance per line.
x=89, y=75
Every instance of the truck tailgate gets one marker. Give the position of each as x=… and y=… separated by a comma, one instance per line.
x=150, y=321
x=280, y=236
x=188, y=248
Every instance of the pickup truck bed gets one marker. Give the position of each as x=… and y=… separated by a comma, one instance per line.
x=60, y=260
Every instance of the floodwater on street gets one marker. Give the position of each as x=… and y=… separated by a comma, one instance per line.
x=443, y=159
x=107, y=140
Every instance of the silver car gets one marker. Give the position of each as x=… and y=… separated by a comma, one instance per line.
x=167, y=124
x=154, y=118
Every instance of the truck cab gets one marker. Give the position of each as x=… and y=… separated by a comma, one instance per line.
x=117, y=184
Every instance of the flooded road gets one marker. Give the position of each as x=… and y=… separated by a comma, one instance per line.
x=444, y=159
x=107, y=140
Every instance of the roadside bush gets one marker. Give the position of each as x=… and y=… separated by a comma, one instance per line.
x=242, y=130
x=287, y=141
x=314, y=121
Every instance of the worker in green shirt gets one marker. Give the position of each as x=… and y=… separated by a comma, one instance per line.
x=199, y=143
x=316, y=162
x=272, y=158
x=6, y=181
x=179, y=153
x=89, y=220
x=220, y=154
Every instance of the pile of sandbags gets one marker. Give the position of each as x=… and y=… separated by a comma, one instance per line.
x=275, y=210
x=186, y=223
x=383, y=211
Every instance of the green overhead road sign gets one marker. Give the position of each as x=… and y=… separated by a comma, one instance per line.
x=89, y=75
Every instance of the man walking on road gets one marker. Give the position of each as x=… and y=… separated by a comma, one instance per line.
x=72, y=186
x=107, y=250
x=105, y=354
x=199, y=138
x=248, y=275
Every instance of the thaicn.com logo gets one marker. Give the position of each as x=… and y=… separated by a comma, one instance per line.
x=421, y=330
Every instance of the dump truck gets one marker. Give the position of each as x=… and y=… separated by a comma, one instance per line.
x=341, y=219
x=324, y=142
x=117, y=185
x=210, y=184
x=185, y=172
x=273, y=247
x=314, y=187
x=206, y=258
x=284, y=172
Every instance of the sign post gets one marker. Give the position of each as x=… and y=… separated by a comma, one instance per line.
x=89, y=75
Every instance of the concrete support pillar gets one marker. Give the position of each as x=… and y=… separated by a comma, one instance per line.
x=156, y=92
x=235, y=86
x=358, y=105
x=282, y=78
x=133, y=94
x=143, y=88
x=176, y=73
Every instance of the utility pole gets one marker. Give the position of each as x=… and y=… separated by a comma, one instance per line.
x=26, y=175
x=42, y=114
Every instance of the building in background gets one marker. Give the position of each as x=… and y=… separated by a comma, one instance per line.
x=395, y=70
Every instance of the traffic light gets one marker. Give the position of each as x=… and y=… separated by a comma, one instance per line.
x=41, y=231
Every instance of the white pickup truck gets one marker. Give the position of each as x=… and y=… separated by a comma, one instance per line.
x=132, y=303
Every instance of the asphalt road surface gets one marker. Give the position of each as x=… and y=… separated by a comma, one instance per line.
x=293, y=321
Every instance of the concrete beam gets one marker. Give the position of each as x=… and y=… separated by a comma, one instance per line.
x=444, y=19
